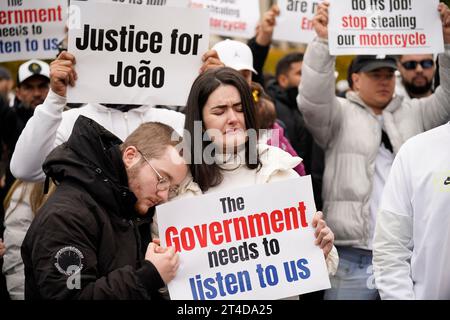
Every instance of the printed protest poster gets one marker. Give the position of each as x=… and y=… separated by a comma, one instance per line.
x=231, y=18
x=294, y=23
x=31, y=28
x=152, y=59
x=169, y=3
x=249, y=243
x=384, y=27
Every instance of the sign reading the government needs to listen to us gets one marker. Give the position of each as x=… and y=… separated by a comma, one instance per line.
x=384, y=27
x=231, y=18
x=151, y=59
x=31, y=29
x=249, y=243
x=294, y=23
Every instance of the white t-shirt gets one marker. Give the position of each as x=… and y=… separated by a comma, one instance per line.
x=414, y=220
x=383, y=164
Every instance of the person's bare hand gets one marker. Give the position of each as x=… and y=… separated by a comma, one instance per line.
x=62, y=73
x=158, y=248
x=165, y=260
x=211, y=60
x=324, y=235
x=320, y=20
x=265, y=29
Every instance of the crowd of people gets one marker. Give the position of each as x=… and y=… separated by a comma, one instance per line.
x=86, y=179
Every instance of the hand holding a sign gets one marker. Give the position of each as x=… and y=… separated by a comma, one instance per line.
x=320, y=21
x=445, y=18
x=264, y=30
x=211, y=60
x=62, y=73
x=165, y=260
x=324, y=235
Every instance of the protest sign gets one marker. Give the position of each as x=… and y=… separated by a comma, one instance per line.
x=384, y=27
x=152, y=60
x=31, y=29
x=231, y=18
x=249, y=243
x=294, y=23
x=169, y=3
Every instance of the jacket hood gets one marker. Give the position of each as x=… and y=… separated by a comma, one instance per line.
x=91, y=158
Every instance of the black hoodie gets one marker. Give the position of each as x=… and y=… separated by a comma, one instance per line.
x=90, y=223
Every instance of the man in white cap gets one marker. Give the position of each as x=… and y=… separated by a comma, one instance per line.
x=33, y=81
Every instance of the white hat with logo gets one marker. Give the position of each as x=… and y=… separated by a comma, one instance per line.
x=33, y=68
x=235, y=54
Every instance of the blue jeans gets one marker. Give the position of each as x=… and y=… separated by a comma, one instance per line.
x=354, y=278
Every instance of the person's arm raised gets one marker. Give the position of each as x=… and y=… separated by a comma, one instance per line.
x=435, y=109
x=317, y=100
x=39, y=136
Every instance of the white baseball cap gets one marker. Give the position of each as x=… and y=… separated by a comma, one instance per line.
x=235, y=54
x=33, y=68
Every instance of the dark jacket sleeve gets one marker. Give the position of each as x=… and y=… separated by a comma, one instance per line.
x=259, y=58
x=78, y=229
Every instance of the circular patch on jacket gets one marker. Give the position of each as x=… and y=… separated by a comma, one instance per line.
x=69, y=260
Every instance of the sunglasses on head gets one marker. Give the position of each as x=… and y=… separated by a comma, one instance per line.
x=412, y=65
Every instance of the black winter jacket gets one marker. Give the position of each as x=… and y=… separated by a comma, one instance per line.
x=299, y=136
x=288, y=113
x=89, y=223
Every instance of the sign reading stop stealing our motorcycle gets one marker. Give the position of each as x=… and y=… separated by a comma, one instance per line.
x=384, y=27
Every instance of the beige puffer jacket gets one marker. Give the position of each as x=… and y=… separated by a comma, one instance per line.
x=350, y=134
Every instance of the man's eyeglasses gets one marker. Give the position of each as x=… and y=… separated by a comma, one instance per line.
x=412, y=65
x=163, y=183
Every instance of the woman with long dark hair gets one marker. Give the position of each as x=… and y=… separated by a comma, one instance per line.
x=222, y=146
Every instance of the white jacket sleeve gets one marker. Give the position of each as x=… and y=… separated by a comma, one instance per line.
x=392, y=245
x=435, y=109
x=317, y=100
x=37, y=139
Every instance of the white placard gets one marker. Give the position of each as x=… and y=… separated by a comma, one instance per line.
x=169, y=3
x=294, y=23
x=151, y=59
x=384, y=27
x=248, y=243
x=31, y=29
x=231, y=18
